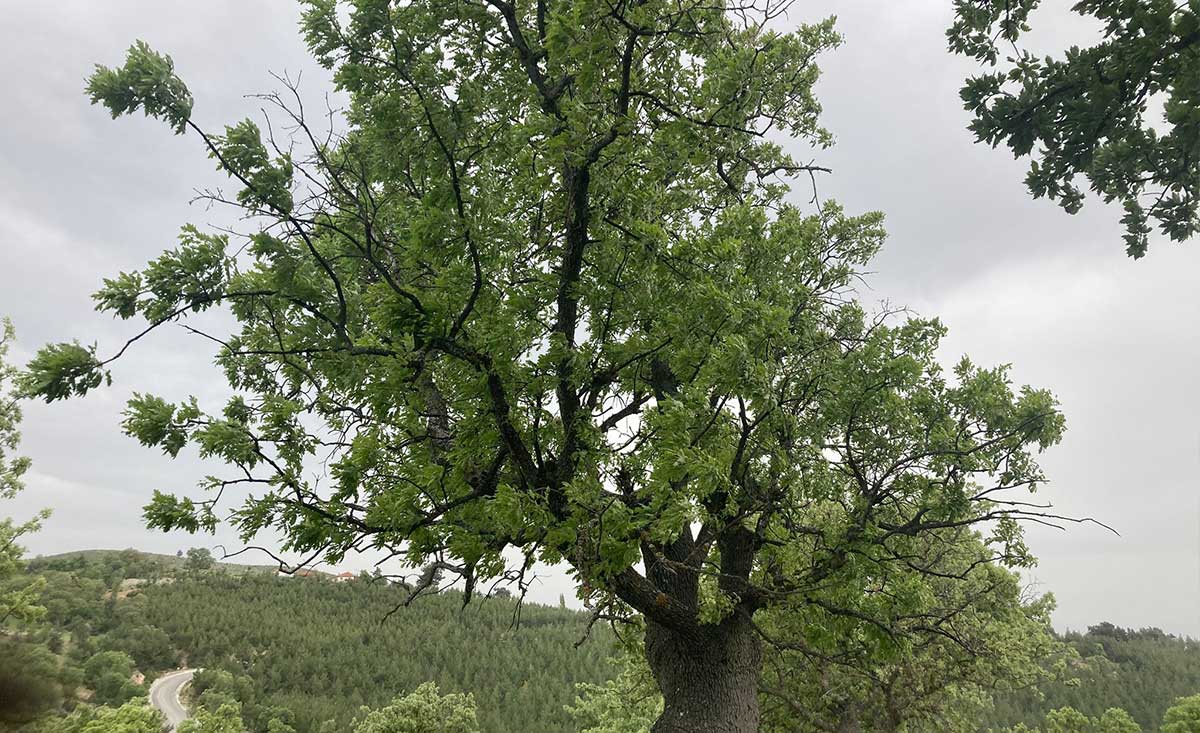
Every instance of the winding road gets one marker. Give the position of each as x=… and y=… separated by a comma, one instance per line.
x=164, y=696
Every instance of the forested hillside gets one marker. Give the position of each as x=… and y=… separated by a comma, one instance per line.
x=309, y=653
x=324, y=649
x=1142, y=671
x=306, y=651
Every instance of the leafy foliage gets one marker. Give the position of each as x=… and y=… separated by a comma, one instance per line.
x=199, y=559
x=62, y=370
x=546, y=301
x=1070, y=720
x=1089, y=112
x=11, y=469
x=914, y=676
x=628, y=703
x=1183, y=716
x=17, y=599
x=132, y=717
x=109, y=674
x=147, y=81
x=424, y=710
x=30, y=684
x=226, y=719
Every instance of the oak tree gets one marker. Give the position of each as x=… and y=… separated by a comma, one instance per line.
x=542, y=297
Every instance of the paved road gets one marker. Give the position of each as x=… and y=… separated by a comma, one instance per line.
x=164, y=695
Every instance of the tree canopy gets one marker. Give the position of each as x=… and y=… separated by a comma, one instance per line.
x=132, y=717
x=424, y=710
x=198, y=559
x=227, y=718
x=1070, y=720
x=1094, y=112
x=628, y=703
x=1183, y=716
x=545, y=298
x=993, y=638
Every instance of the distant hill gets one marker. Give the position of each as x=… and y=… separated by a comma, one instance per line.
x=131, y=560
x=311, y=651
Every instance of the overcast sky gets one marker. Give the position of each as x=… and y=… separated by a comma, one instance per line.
x=1017, y=281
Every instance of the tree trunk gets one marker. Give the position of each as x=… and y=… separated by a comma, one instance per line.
x=708, y=678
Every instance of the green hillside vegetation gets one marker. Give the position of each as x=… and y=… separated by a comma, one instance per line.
x=311, y=647
x=293, y=655
x=292, y=650
x=1142, y=671
x=296, y=654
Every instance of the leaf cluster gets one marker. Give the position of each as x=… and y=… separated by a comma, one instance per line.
x=1090, y=112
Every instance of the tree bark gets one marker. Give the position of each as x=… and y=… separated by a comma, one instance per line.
x=708, y=677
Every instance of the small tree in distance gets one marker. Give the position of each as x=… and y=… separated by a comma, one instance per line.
x=199, y=559
x=424, y=710
x=545, y=298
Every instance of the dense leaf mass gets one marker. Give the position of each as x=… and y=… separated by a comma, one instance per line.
x=552, y=300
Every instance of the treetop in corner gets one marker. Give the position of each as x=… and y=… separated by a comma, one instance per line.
x=1090, y=112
